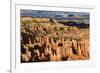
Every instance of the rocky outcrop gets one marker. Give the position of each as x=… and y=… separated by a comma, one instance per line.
x=53, y=41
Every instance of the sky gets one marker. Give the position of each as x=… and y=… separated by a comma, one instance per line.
x=54, y=14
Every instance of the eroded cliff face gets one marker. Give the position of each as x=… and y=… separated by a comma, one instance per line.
x=78, y=50
x=48, y=40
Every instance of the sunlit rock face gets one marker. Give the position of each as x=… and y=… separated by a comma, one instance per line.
x=46, y=39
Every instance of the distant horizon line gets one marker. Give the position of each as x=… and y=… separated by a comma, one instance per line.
x=55, y=17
